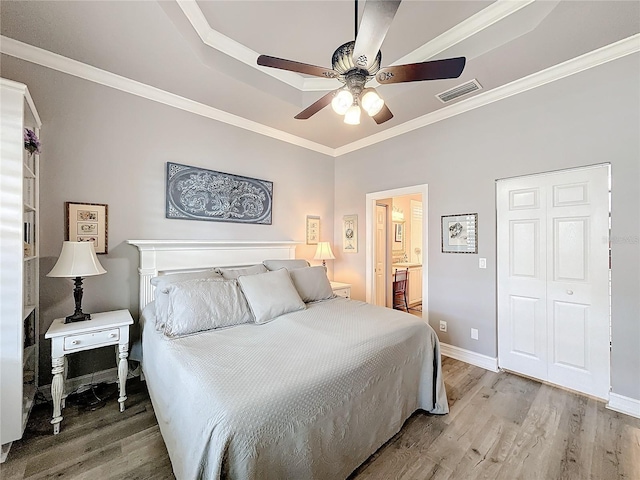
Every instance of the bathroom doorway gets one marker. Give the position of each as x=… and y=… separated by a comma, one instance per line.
x=405, y=247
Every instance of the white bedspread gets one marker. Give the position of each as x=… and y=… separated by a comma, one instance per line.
x=310, y=395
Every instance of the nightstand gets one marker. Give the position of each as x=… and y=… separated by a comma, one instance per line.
x=104, y=329
x=341, y=289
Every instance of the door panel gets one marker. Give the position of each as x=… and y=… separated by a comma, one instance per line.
x=570, y=340
x=570, y=253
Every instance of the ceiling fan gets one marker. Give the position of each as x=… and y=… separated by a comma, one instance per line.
x=359, y=61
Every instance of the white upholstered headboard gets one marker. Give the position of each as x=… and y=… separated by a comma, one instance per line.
x=165, y=256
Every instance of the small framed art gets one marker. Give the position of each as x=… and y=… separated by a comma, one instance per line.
x=313, y=229
x=350, y=234
x=459, y=233
x=87, y=222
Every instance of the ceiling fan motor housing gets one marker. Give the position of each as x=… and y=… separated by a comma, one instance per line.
x=342, y=61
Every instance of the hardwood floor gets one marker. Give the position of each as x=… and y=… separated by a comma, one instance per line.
x=501, y=427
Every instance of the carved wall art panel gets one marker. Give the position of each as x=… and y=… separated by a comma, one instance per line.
x=195, y=193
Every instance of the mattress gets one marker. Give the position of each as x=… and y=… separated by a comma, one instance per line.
x=310, y=395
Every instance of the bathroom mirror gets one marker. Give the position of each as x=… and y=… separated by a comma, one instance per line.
x=398, y=238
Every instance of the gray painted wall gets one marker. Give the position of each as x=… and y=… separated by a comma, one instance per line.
x=106, y=146
x=101, y=145
x=585, y=119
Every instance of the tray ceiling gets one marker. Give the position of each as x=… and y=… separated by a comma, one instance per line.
x=205, y=50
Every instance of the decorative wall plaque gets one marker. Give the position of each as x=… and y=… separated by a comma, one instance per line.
x=195, y=193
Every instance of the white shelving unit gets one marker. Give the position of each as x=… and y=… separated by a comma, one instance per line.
x=19, y=262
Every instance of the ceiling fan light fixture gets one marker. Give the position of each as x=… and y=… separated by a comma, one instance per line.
x=352, y=117
x=372, y=103
x=342, y=101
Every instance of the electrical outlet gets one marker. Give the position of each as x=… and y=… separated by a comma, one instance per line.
x=482, y=263
x=443, y=326
x=474, y=333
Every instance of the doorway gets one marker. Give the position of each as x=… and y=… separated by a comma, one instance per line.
x=402, y=245
x=553, y=277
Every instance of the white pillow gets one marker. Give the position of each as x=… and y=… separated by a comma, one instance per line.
x=200, y=305
x=270, y=295
x=289, y=264
x=312, y=283
x=232, y=273
x=163, y=282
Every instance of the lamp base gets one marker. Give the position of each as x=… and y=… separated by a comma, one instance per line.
x=77, y=317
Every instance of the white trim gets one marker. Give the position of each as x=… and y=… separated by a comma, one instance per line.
x=494, y=13
x=592, y=59
x=228, y=46
x=371, y=198
x=36, y=55
x=488, y=16
x=66, y=65
x=76, y=383
x=467, y=356
x=622, y=404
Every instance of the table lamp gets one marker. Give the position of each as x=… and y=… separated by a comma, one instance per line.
x=323, y=252
x=77, y=260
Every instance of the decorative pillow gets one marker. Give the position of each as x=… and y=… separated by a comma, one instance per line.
x=233, y=273
x=289, y=264
x=200, y=305
x=163, y=282
x=311, y=283
x=270, y=295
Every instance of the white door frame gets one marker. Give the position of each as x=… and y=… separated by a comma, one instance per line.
x=371, y=199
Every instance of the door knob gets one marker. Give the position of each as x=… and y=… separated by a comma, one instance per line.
x=569, y=292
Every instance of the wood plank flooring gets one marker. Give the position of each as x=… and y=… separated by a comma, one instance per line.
x=501, y=426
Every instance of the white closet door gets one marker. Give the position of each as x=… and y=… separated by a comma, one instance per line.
x=381, y=256
x=553, y=303
x=522, y=276
x=577, y=280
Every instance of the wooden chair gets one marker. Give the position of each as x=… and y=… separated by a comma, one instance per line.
x=400, y=289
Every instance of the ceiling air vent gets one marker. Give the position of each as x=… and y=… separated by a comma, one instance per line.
x=459, y=91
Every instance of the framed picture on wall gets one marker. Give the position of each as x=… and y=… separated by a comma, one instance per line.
x=313, y=229
x=459, y=233
x=350, y=234
x=87, y=222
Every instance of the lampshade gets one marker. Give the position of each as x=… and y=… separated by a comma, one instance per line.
x=342, y=101
x=77, y=259
x=372, y=103
x=323, y=252
x=352, y=117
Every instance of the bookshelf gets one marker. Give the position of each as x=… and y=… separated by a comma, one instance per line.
x=19, y=262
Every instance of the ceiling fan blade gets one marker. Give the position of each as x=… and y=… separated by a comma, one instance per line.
x=290, y=65
x=376, y=20
x=415, y=72
x=316, y=106
x=383, y=115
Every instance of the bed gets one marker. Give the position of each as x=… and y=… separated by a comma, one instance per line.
x=310, y=394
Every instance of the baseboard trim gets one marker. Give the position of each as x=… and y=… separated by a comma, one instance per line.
x=467, y=356
x=620, y=403
x=76, y=383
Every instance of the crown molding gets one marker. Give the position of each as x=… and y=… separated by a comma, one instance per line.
x=228, y=46
x=69, y=66
x=494, y=13
x=586, y=61
x=486, y=17
x=48, y=59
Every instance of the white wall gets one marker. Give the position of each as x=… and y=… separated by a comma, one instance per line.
x=101, y=145
x=589, y=118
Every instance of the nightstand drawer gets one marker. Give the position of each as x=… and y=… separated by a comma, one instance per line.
x=84, y=340
x=343, y=292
